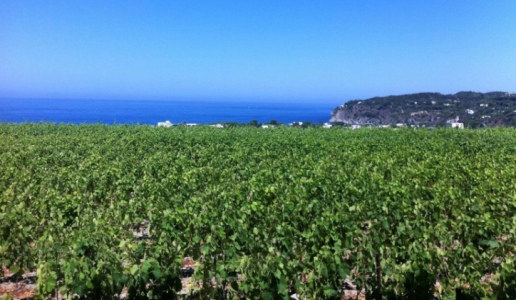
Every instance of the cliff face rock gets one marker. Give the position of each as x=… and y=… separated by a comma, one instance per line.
x=431, y=109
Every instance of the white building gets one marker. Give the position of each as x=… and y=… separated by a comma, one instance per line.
x=167, y=123
x=469, y=111
x=454, y=123
x=217, y=125
x=457, y=125
x=327, y=125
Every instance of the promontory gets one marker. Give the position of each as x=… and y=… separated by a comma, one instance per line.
x=431, y=109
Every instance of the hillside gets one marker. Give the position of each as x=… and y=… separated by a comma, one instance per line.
x=431, y=109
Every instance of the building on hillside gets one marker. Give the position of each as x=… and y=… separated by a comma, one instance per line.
x=454, y=123
x=457, y=125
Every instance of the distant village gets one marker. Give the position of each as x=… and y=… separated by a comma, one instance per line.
x=453, y=123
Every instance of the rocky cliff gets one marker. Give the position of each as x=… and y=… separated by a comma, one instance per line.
x=431, y=109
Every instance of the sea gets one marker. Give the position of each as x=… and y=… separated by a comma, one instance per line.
x=91, y=111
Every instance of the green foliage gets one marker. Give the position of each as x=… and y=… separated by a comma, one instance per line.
x=432, y=109
x=264, y=213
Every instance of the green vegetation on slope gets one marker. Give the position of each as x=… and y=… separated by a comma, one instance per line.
x=287, y=209
x=431, y=109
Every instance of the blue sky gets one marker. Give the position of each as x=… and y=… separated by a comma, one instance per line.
x=306, y=50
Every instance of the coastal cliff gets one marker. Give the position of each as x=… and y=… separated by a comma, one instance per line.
x=431, y=109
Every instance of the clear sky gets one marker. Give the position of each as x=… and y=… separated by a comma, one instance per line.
x=279, y=49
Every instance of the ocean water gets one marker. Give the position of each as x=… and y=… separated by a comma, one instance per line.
x=150, y=112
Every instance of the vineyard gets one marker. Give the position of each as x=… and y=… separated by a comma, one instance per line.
x=99, y=211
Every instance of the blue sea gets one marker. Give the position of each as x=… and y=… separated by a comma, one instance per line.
x=153, y=111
